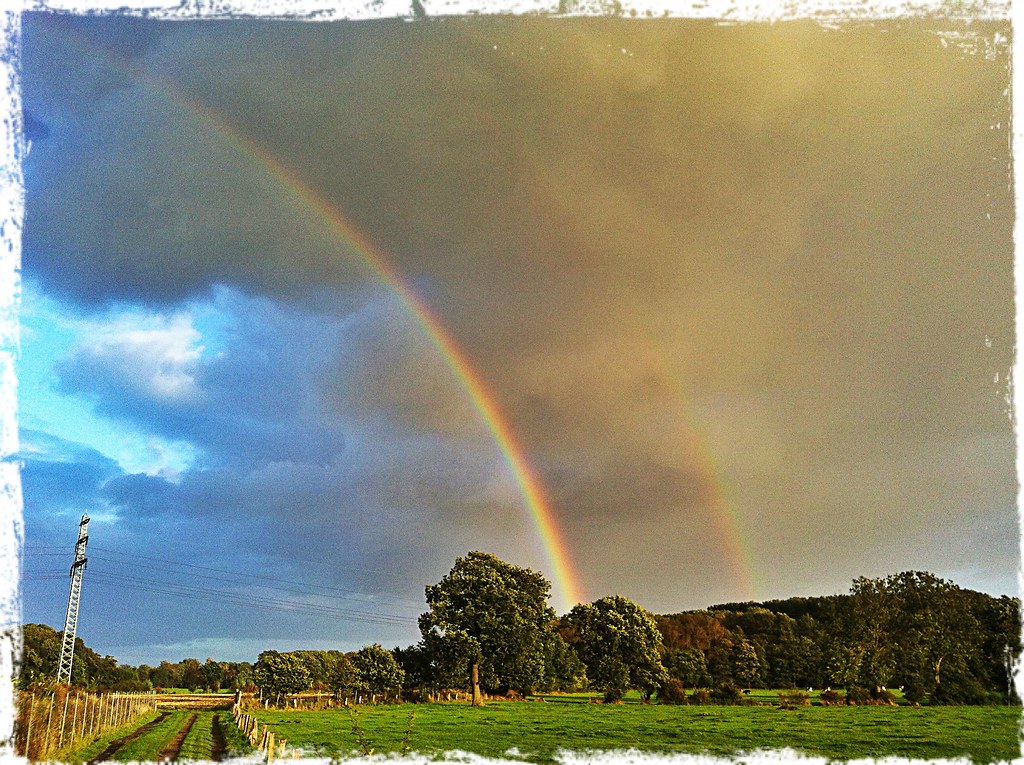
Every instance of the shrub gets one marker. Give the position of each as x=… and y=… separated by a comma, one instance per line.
x=914, y=692
x=883, y=697
x=830, y=698
x=857, y=695
x=727, y=693
x=672, y=692
x=700, y=696
x=794, y=699
x=613, y=694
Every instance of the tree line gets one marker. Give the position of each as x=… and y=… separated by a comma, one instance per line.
x=488, y=629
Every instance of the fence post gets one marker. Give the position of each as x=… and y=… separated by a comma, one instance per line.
x=95, y=705
x=28, y=730
x=74, y=721
x=85, y=715
x=64, y=717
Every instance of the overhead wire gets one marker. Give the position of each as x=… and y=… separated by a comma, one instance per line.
x=266, y=602
x=263, y=577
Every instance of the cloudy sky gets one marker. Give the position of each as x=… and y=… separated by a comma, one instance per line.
x=742, y=294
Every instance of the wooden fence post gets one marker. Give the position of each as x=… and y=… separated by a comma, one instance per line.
x=74, y=721
x=28, y=732
x=64, y=717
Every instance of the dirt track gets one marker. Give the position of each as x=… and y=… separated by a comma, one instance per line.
x=116, y=744
x=219, y=748
x=170, y=752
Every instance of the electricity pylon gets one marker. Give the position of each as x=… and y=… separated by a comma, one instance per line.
x=67, y=648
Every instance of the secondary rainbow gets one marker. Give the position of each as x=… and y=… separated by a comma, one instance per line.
x=735, y=548
x=565, y=584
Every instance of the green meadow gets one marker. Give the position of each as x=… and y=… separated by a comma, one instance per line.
x=537, y=731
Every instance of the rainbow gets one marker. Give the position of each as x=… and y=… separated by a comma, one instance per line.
x=566, y=587
x=736, y=551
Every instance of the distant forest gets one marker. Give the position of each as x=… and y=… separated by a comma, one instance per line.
x=937, y=642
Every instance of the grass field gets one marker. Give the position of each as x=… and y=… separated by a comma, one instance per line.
x=538, y=731
x=148, y=746
x=95, y=747
x=213, y=736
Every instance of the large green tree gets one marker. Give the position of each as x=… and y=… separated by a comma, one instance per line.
x=280, y=673
x=379, y=672
x=620, y=644
x=489, y=618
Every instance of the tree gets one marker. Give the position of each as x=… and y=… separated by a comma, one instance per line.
x=746, y=664
x=379, y=672
x=864, y=654
x=619, y=643
x=344, y=677
x=280, y=673
x=213, y=674
x=490, y=618
x=687, y=665
x=167, y=675
x=415, y=663
x=191, y=674
x=938, y=636
x=563, y=670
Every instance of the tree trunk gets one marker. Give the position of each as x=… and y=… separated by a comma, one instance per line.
x=474, y=671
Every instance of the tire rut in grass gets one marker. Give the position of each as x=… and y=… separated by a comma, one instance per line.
x=116, y=744
x=219, y=746
x=170, y=752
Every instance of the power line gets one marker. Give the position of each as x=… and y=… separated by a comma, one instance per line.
x=100, y=574
x=262, y=577
x=209, y=594
x=308, y=589
x=270, y=605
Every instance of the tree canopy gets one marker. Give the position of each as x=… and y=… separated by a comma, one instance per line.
x=491, y=614
x=620, y=644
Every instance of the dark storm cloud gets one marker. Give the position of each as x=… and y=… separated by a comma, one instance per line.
x=60, y=477
x=786, y=247
x=289, y=460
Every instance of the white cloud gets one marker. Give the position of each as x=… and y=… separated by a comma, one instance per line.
x=151, y=355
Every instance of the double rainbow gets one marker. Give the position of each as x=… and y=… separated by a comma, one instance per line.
x=565, y=584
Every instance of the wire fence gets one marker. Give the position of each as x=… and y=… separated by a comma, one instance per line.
x=64, y=718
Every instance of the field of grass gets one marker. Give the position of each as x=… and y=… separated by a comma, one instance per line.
x=539, y=730
x=146, y=748
x=235, y=742
x=198, y=744
x=97, y=745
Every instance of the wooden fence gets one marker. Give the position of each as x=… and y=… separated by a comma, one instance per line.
x=261, y=739
x=48, y=722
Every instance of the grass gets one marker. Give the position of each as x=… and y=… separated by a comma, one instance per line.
x=96, y=746
x=198, y=744
x=147, y=747
x=539, y=731
x=235, y=741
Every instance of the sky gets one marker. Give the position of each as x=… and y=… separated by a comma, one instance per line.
x=686, y=312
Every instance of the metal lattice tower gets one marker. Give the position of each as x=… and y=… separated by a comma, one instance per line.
x=67, y=648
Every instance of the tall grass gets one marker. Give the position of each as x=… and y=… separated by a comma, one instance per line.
x=64, y=719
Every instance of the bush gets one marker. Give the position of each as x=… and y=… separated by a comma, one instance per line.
x=831, y=698
x=914, y=692
x=727, y=693
x=793, y=699
x=700, y=696
x=883, y=697
x=857, y=695
x=672, y=692
x=613, y=694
